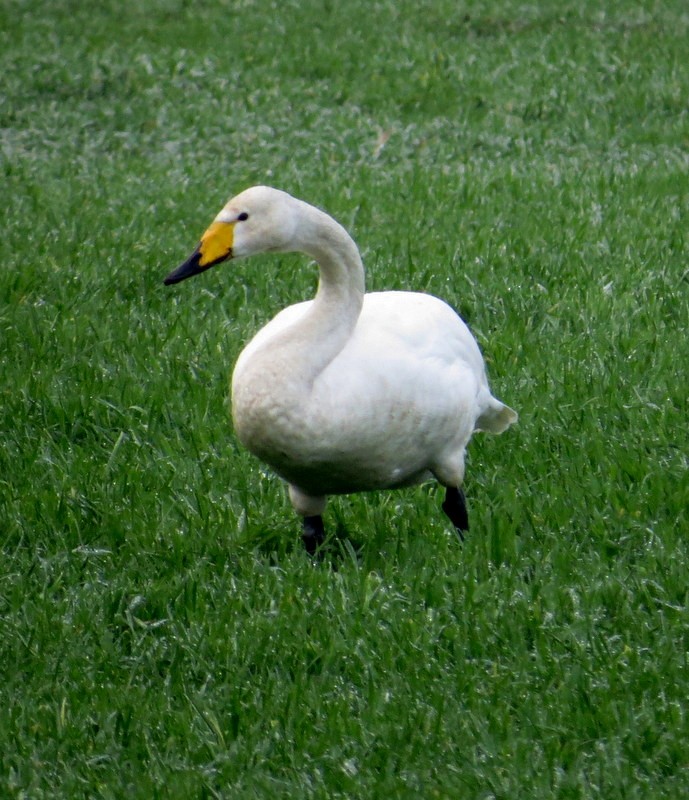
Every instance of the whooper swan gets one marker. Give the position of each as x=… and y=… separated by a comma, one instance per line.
x=348, y=392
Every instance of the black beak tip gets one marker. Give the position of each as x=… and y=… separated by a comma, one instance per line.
x=190, y=267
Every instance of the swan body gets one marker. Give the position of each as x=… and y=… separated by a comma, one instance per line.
x=348, y=392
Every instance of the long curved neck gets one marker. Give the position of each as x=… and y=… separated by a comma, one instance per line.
x=311, y=343
x=340, y=295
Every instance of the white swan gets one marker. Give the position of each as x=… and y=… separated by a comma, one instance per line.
x=348, y=392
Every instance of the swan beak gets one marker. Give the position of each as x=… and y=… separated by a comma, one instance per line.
x=215, y=246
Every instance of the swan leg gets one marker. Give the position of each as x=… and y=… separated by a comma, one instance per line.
x=310, y=508
x=306, y=505
x=313, y=534
x=455, y=506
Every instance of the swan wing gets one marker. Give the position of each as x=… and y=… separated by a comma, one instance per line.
x=423, y=326
x=413, y=349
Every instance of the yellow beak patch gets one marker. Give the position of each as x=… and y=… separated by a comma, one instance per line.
x=216, y=243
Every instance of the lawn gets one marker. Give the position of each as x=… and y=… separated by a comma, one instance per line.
x=162, y=633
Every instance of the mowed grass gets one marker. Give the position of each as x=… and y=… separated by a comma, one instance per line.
x=162, y=632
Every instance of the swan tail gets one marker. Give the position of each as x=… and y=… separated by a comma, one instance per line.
x=496, y=418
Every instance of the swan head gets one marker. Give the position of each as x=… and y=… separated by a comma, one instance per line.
x=258, y=220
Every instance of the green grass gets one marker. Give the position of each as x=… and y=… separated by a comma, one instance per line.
x=162, y=635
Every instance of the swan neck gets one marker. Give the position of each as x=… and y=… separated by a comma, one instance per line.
x=341, y=280
x=314, y=341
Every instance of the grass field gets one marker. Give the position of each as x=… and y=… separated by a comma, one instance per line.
x=162, y=634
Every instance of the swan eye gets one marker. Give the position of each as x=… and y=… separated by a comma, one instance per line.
x=243, y=217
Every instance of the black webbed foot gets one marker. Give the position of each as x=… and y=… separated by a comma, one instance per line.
x=455, y=506
x=313, y=534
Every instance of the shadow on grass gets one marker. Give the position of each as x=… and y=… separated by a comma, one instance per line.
x=343, y=545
